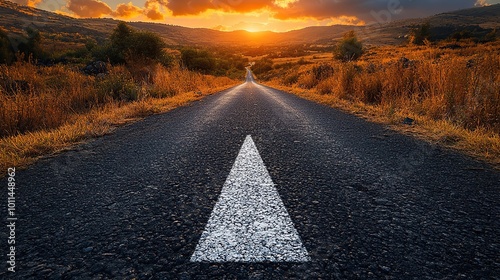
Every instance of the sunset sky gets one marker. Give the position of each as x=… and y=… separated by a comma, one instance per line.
x=255, y=15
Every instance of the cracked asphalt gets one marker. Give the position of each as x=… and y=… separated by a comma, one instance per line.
x=367, y=203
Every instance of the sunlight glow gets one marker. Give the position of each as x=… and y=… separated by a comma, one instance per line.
x=284, y=3
x=252, y=29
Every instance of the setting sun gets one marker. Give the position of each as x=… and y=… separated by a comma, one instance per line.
x=252, y=29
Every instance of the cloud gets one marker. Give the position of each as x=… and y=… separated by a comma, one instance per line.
x=155, y=2
x=483, y=3
x=284, y=3
x=346, y=20
x=195, y=7
x=190, y=7
x=368, y=10
x=89, y=8
x=97, y=8
x=29, y=3
x=127, y=11
x=154, y=14
x=152, y=9
x=355, y=11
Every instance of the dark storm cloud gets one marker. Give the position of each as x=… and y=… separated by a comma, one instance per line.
x=366, y=10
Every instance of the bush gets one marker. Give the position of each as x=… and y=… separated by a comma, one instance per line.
x=491, y=36
x=146, y=45
x=198, y=60
x=323, y=71
x=349, y=48
x=291, y=79
x=32, y=48
x=6, y=51
x=118, y=85
x=262, y=66
x=420, y=35
x=129, y=44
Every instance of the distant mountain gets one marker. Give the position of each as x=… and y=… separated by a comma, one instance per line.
x=15, y=18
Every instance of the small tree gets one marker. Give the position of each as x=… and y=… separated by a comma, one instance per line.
x=349, y=48
x=120, y=42
x=6, y=51
x=146, y=45
x=33, y=45
x=121, y=36
x=127, y=43
x=420, y=35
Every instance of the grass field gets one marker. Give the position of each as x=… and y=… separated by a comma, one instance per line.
x=450, y=90
x=47, y=109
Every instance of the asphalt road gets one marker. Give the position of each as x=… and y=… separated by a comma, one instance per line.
x=364, y=201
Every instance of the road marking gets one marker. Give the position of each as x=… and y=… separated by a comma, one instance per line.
x=249, y=222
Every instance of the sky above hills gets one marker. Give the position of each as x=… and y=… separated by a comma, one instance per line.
x=255, y=15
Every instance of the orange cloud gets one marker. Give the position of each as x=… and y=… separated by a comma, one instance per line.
x=369, y=10
x=127, y=11
x=152, y=9
x=195, y=7
x=246, y=6
x=360, y=10
x=154, y=14
x=347, y=20
x=97, y=8
x=89, y=8
x=29, y=3
x=191, y=7
x=482, y=3
x=150, y=3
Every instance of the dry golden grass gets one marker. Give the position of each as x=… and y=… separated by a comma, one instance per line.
x=452, y=94
x=43, y=111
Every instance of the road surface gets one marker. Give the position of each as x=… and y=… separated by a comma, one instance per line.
x=255, y=183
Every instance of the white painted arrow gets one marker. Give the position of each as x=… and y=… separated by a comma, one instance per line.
x=249, y=222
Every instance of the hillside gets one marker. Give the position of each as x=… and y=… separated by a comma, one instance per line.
x=15, y=18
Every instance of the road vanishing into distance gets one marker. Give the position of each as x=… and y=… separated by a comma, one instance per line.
x=255, y=183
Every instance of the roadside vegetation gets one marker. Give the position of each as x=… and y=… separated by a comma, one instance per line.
x=447, y=92
x=55, y=93
x=48, y=104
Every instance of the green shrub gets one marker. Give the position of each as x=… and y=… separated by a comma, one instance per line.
x=127, y=43
x=146, y=45
x=117, y=86
x=198, y=60
x=349, y=48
